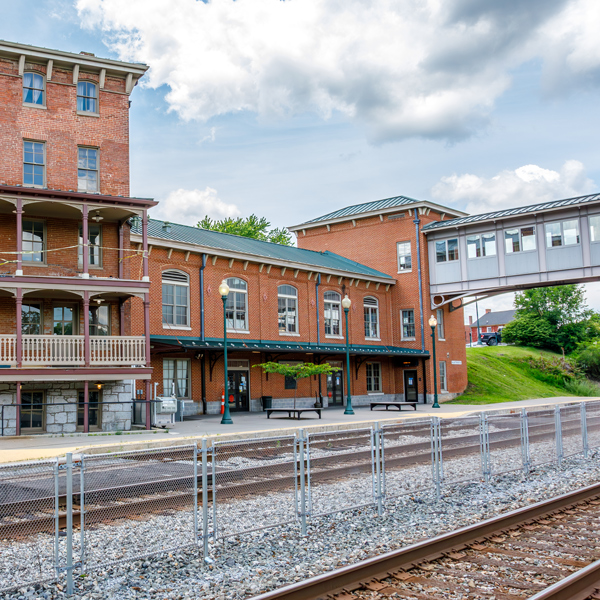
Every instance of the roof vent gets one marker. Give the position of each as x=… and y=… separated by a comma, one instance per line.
x=166, y=227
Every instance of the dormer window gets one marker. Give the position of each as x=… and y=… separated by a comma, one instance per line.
x=33, y=89
x=87, y=97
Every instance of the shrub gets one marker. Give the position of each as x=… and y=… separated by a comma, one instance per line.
x=582, y=387
x=588, y=359
x=528, y=330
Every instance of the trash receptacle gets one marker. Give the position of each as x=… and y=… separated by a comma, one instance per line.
x=267, y=402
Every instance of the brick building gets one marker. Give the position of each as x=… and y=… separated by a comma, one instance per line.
x=99, y=303
x=66, y=347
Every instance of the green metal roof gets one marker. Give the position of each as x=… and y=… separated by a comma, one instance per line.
x=196, y=343
x=513, y=212
x=255, y=248
x=357, y=209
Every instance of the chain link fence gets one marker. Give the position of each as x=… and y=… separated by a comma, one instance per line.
x=75, y=515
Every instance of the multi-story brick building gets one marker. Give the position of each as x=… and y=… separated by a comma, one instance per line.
x=66, y=347
x=97, y=299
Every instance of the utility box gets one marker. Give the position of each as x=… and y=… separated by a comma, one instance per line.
x=165, y=410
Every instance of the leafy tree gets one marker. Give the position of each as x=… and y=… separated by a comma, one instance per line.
x=555, y=317
x=299, y=371
x=250, y=227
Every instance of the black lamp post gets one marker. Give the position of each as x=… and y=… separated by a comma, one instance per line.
x=224, y=291
x=432, y=324
x=346, y=303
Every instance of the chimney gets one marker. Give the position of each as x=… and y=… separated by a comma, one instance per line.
x=470, y=319
x=488, y=310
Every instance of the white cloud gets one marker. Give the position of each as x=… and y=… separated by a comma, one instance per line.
x=190, y=206
x=529, y=184
x=400, y=68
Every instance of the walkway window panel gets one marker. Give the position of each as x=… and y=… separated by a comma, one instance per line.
x=519, y=239
x=595, y=229
x=236, y=307
x=332, y=306
x=479, y=246
x=287, y=309
x=564, y=233
x=446, y=250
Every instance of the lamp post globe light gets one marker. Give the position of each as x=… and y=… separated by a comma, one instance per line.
x=346, y=304
x=432, y=324
x=224, y=291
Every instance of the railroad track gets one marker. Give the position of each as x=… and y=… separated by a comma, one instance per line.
x=346, y=457
x=546, y=551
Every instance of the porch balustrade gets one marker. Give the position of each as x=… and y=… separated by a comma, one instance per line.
x=68, y=350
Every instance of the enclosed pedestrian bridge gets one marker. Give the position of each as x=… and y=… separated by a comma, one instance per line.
x=553, y=243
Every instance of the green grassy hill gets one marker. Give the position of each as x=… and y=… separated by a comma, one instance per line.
x=501, y=374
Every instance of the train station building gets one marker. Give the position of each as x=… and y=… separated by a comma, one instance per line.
x=101, y=305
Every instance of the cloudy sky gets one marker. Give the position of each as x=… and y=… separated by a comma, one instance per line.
x=294, y=108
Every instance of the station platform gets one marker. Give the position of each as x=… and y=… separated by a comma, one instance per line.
x=245, y=425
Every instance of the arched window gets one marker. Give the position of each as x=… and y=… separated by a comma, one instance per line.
x=236, y=309
x=332, y=302
x=87, y=97
x=176, y=298
x=371, y=307
x=33, y=89
x=287, y=308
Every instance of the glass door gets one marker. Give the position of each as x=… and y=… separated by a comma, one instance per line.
x=335, y=385
x=64, y=320
x=32, y=412
x=238, y=390
x=95, y=410
x=65, y=324
x=411, y=390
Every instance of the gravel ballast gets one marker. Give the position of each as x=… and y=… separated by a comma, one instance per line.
x=250, y=564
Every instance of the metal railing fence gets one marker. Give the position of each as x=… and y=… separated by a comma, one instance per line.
x=62, y=518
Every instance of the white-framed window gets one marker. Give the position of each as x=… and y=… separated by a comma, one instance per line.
x=94, y=245
x=87, y=169
x=374, y=377
x=408, y=324
x=446, y=250
x=31, y=318
x=175, y=298
x=34, y=163
x=440, y=324
x=87, y=97
x=333, y=311
x=404, y=257
x=236, y=308
x=565, y=233
x=176, y=377
x=287, y=309
x=481, y=245
x=443, y=377
x=519, y=239
x=34, y=88
x=34, y=242
x=595, y=228
x=371, y=308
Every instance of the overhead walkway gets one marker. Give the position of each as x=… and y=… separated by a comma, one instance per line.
x=553, y=243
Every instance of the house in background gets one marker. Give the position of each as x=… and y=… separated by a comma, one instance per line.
x=490, y=322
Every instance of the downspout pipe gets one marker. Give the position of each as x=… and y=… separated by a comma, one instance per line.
x=202, y=335
x=317, y=284
x=417, y=221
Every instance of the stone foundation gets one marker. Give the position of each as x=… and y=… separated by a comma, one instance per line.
x=60, y=413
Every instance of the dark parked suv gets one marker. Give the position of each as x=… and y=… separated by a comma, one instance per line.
x=491, y=339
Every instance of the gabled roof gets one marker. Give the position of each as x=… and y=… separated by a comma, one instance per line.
x=369, y=208
x=502, y=317
x=212, y=242
x=512, y=212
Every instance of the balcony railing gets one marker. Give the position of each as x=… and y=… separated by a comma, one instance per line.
x=68, y=350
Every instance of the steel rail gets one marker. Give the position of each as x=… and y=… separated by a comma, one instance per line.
x=352, y=576
x=577, y=586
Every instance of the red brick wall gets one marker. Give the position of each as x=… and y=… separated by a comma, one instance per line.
x=372, y=242
x=263, y=323
x=63, y=130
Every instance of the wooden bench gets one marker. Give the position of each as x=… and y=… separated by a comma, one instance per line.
x=297, y=411
x=399, y=405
